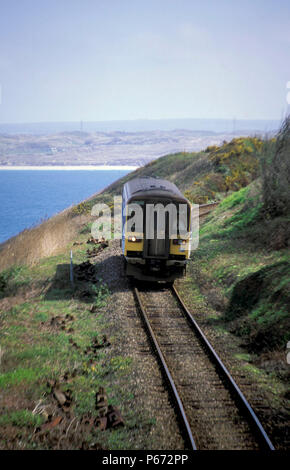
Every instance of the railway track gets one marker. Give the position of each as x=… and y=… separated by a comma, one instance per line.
x=213, y=412
x=205, y=209
x=211, y=205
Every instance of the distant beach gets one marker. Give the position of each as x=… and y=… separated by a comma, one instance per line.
x=71, y=167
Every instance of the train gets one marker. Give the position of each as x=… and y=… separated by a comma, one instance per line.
x=156, y=230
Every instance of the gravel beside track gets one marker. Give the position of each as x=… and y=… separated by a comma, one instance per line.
x=145, y=382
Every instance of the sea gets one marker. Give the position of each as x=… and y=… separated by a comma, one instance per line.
x=28, y=197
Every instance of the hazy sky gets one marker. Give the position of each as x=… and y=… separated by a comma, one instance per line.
x=66, y=60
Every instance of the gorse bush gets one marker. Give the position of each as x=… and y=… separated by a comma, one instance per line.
x=275, y=165
x=233, y=166
x=81, y=208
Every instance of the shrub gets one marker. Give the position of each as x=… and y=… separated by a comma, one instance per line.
x=275, y=165
x=233, y=166
x=81, y=208
x=13, y=278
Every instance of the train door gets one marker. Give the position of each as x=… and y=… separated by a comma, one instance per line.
x=158, y=245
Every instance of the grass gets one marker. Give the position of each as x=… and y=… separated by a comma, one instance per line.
x=233, y=200
x=251, y=278
x=47, y=239
x=34, y=351
x=101, y=293
x=21, y=419
x=86, y=229
x=19, y=376
x=12, y=279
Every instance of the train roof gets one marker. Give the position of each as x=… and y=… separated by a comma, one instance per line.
x=147, y=187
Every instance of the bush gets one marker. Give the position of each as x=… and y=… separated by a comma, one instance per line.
x=230, y=167
x=13, y=278
x=82, y=208
x=275, y=164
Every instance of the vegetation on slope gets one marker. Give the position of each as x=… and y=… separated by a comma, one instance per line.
x=57, y=341
x=203, y=176
x=249, y=276
x=234, y=166
x=241, y=267
x=242, y=264
x=276, y=174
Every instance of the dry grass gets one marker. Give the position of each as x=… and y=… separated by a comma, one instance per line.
x=46, y=239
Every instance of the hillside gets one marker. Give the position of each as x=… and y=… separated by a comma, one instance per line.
x=64, y=347
x=203, y=176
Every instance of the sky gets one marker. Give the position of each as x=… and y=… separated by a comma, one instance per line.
x=98, y=60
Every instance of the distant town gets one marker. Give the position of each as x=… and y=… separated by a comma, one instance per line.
x=116, y=148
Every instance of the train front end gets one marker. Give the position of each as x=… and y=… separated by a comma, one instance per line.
x=156, y=230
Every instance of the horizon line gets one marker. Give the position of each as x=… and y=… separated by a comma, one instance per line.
x=144, y=119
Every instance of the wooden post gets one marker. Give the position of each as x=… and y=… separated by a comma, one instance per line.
x=71, y=269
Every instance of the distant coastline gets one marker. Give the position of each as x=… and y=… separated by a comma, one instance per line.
x=141, y=125
x=70, y=167
x=114, y=150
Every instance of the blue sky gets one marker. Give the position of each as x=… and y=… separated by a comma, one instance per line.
x=97, y=60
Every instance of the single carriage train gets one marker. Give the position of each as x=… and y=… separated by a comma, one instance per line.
x=156, y=229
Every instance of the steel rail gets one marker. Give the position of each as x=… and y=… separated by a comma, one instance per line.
x=209, y=204
x=203, y=213
x=167, y=373
x=252, y=417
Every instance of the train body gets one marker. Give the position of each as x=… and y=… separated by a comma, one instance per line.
x=156, y=229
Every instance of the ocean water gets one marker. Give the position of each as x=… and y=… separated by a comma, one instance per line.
x=27, y=197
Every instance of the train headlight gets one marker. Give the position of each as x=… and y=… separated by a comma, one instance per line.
x=179, y=241
x=133, y=239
